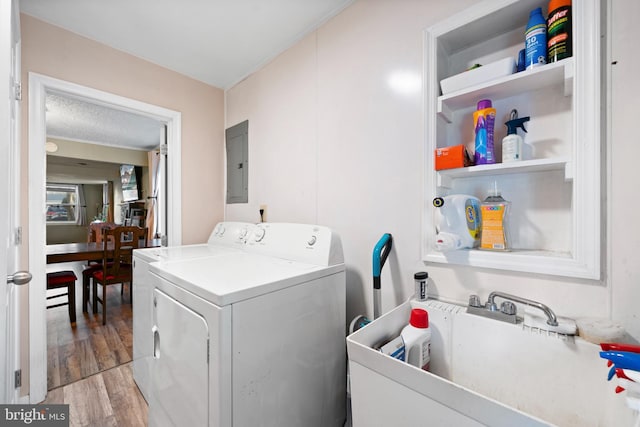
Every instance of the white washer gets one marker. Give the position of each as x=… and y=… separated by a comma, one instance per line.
x=252, y=338
x=226, y=237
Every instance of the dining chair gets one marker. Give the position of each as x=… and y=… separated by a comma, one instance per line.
x=63, y=279
x=117, y=264
x=95, y=234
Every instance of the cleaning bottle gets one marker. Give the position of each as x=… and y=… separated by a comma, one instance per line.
x=536, y=39
x=559, y=33
x=417, y=339
x=512, y=143
x=483, y=122
x=494, y=213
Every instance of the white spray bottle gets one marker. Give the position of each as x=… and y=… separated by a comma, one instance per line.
x=512, y=143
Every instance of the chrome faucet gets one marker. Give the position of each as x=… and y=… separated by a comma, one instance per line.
x=507, y=311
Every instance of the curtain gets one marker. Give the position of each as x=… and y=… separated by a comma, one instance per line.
x=154, y=171
x=81, y=218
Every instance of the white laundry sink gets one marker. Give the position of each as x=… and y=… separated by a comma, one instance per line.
x=483, y=372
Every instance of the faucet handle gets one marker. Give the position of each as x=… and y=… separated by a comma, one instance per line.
x=507, y=307
x=474, y=301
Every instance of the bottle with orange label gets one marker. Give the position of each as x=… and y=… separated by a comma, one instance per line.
x=559, y=32
x=494, y=214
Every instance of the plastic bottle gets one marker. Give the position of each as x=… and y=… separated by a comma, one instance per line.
x=417, y=339
x=420, y=279
x=536, y=39
x=559, y=33
x=494, y=211
x=512, y=143
x=483, y=123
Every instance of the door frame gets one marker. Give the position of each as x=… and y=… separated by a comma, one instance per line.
x=39, y=86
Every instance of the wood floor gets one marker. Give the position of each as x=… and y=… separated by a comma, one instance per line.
x=109, y=398
x=89, y=364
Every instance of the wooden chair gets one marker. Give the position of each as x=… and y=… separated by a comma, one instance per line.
x=95, y=234
x=117, y=267
x=64, y=279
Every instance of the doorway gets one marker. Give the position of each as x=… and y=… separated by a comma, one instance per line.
x=39, y=87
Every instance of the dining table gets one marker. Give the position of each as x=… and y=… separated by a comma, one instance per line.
x=84, y=251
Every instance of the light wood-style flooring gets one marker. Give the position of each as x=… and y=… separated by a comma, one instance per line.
x=109, y=398
x=89, y=364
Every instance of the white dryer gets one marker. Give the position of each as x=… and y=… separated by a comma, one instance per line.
x=252, y=338
x=226, y=237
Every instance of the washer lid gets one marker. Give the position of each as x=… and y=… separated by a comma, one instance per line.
x=183, y=252
x=230, y=278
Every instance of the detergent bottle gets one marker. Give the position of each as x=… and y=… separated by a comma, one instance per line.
x=417, y=339
x=512, y=143
x=458, y=222
x=483, y=122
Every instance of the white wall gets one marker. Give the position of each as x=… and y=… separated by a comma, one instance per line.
x=624, y=176
x=331, y=142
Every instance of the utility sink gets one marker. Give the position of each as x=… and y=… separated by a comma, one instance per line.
x=483, y=373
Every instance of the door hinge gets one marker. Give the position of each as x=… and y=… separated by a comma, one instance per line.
x=18, y=236
x=164, y=149
x=18, y=91
x=18, y=378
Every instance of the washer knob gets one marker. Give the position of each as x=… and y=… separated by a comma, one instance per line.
x=221, y=230
x=312, y=241
x=243, y=233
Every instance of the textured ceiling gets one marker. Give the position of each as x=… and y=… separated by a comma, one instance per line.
x=219, y=42
x=79, y=120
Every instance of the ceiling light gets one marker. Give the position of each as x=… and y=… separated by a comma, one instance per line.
x=51, y=147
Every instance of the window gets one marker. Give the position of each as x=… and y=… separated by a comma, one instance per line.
x=62, y=203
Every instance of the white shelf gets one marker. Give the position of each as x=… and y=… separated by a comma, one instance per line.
x=536, y=261
x=445, y=176
x=557, y=223
x=524, y=81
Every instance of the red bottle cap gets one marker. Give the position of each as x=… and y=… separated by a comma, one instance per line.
x=419, y=318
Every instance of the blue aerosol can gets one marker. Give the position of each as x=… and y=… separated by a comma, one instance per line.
x=536, y=39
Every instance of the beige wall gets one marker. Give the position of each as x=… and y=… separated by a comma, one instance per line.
x=331, y=141
x=57, y=53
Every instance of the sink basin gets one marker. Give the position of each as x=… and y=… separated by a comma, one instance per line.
x=482, y=373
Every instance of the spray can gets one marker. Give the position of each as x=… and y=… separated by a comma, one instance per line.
x=559, y=33
x=512, y=143
x=417, y=339
x=421, y=285
x=483, y=122
x=536, y=39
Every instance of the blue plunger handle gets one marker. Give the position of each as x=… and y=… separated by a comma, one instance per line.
x=380, y=254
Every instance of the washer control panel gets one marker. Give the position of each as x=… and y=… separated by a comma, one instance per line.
x=231, y=233
x=314, y=244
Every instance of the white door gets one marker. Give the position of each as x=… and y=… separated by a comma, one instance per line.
x=180, y=366
x=9, y=202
